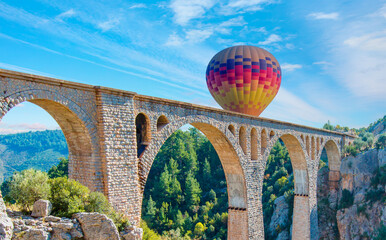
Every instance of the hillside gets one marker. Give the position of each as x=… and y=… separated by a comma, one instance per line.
x=39, y=150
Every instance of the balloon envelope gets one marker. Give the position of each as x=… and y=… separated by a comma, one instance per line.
x=243, y=79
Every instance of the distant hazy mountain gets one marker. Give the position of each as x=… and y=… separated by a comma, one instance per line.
x=39, y=150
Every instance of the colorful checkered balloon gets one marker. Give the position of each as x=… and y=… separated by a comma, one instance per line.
x=243, y=79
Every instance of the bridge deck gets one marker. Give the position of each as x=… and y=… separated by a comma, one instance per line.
x=87, y=87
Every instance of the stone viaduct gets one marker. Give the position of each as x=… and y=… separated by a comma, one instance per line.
x=113, y=137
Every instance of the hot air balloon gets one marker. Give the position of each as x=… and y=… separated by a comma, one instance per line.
x=243, y=79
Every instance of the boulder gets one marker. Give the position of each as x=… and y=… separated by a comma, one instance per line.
x=41, y=208
x=132, y=233
x=96, y=226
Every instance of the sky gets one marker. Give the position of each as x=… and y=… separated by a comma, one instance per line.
x=332, y=53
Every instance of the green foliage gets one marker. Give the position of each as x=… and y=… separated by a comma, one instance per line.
x=60, y=170
x=186, y=186
x=347, y=199
x=381, y=142
x=28, y=186
x=67, y=196
x=350, y=150
x=39, y=150
x=97, y=202
x=328, y=126
x=381, y=232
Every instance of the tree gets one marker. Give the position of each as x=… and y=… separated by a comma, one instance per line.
x=61, y=170
x=381, y=142
x=151, y=209
x=28, y=186
x=192, y=190
x=328, y=126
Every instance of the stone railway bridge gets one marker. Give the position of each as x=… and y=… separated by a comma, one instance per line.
x=113, y=137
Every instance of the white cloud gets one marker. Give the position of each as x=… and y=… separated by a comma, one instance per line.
x=375, y=41
x=107, y=25
x=322, y=15
x=6, y=128
x=382, y=11
x=290, y=67
x=174, y=40
x=273, y=38
x=184, y=11
x=322, y=63
x=241, y=6
x=139, y=5
x=66, y=14
x=197, y=35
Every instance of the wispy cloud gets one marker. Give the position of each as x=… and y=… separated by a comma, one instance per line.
x=273, y=38
x=138, y=5
x=109, y=24
x=184, y=11
x=242, y=6
x=67, y=14
x=322, y=15
x=288, y=67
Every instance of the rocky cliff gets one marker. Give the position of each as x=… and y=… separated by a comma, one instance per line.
x=354, y=208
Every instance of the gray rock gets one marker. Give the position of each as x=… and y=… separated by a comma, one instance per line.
x=41, y=208
x=279, y=216
x=6, y=225
x=52, y=219
x=96, y=226
x=132, y=233
x=32, y=234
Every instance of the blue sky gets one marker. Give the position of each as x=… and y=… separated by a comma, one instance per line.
x=333, y=53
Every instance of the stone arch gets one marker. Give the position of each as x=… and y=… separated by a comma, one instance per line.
x=75, y=124
x=243, y=139
x=301, y=213
x=263, y=142
x=162, y=121
x=229, y=154
x=254, y=145
x=143, y=132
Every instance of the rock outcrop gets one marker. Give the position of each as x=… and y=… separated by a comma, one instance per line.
x=355, y=209
x=278, y=226
x=6, y=225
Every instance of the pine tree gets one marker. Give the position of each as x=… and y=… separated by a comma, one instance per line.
x=192, y=190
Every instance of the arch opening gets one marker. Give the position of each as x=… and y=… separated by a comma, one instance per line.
x=142, y=123
x=162, y=121
x=254, y=147
x=327, y=190
x=243, y=139
x=285, y=191
x=232, y=188
x=232, y=129
x=77, y=138
x=263, y=141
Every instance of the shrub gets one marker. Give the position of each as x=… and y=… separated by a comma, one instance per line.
x=381, y=142
x=148, y=234
x=28, y=186
x=350, y=150
x=347, y=199
x=97, y=202
x=67, y=196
